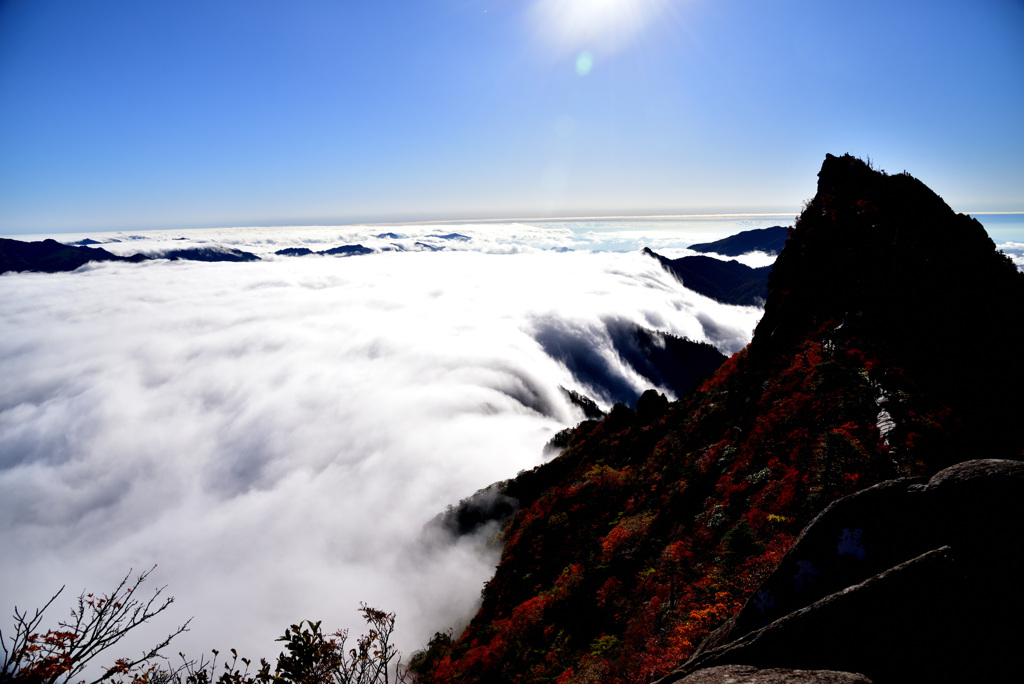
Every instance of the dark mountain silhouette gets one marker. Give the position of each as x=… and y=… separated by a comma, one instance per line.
x=50, y=256
x=885, y=259
x=889, y=350
x=729, y=282
x=294, y=251
x=769, y=240
x=206, y=254
x=590, y=409
x=342, y=250
x=347, y=250
x=452, y=236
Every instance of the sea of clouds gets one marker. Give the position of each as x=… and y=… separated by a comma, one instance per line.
x=277, y=434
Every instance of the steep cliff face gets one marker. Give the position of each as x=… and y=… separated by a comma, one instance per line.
x=652, y=528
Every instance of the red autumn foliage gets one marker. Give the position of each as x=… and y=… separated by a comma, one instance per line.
x=674, y=523
x=654, y=535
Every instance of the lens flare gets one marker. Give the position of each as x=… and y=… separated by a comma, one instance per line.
x=584, y=63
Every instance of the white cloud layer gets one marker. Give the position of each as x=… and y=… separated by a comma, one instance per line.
x=1014, y=250
x=493, y=238
x=276, y=434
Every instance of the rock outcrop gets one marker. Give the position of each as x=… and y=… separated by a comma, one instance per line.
x=908, y=580
x=744, y=674
x=887, y=257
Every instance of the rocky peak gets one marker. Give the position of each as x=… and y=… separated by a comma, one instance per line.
x=887, y=257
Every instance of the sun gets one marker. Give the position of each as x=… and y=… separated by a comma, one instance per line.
x=605, y=25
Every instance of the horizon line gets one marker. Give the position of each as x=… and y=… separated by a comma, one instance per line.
x=552, y=219
x=467, y=221
x=426, y=222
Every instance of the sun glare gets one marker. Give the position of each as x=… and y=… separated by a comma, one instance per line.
x=605, y=25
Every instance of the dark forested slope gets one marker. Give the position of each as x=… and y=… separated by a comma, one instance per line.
x=888, y=348
x=726, y=281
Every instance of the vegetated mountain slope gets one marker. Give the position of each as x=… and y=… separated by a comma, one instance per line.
x=769, y=240
x=666, y=361
x=729, y=282
x=652, y=527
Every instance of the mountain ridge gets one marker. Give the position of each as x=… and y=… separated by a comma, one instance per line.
x=50, y=256
x=649, y=531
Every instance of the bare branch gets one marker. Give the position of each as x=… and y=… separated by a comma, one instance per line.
x=96, y=623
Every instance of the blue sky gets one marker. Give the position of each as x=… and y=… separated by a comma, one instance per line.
x=132, y=115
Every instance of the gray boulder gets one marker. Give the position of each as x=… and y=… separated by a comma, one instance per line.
x=745, y=674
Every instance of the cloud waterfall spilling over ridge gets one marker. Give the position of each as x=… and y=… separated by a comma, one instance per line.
x=276, y=434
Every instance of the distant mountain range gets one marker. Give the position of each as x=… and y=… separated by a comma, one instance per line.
x=726, y=281
x=50, y=256
x=839, y=502
x=344, y=250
